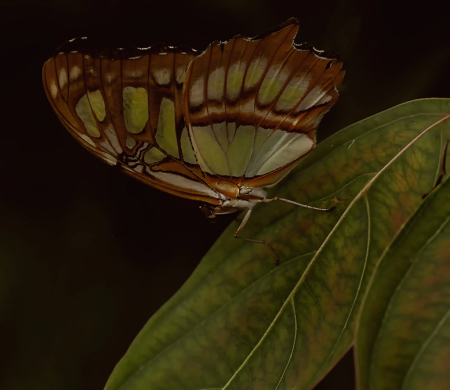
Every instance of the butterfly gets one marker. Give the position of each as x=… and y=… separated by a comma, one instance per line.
x=216, y=127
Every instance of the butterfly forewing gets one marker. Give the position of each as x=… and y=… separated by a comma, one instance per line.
x=252, y=106
x=126, y=108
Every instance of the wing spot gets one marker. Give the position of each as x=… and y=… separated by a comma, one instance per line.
x=62, y=78
x=97, y=104
x=130, y=142
x=311, y=99
x=110, y=77
x=325, y=99
x=109, y=159
x=183, y=182
x=186, y=148
x=180, y=74
x=197, y=92
x=162, y=76
x=53, y=89
x=110, y=133
x=83, y=109
x=216, y=83
x=135, y=74
x=153, y=155
x=135, y=109
x=75, y=72
x=234, y=81
x=166, y=135
x=255, y=72
x=88, y=140
x=291, y=95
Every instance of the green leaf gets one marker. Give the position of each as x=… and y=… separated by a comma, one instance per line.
x=240, y=322
x=403, y=339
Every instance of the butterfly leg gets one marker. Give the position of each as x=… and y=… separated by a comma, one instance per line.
x=298, y=204
x=241, y=226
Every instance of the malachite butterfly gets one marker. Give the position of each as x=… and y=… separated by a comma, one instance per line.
x=216, y=127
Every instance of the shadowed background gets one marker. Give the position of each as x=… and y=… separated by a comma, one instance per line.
x=87, y=255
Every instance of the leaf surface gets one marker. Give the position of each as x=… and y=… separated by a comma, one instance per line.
x=240, y=322
x=403, y=339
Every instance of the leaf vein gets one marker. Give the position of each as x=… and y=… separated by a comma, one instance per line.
x=424, y=346
x=359, y=285
x=293, y=344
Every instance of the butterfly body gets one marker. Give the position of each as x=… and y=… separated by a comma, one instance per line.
x=217, y=127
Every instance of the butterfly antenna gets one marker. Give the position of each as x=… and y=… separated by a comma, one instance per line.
x=298, y=204
x=241, y=226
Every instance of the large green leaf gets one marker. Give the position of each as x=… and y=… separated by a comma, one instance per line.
x=240, y=322
x=403, y=338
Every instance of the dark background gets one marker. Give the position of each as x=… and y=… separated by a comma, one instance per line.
x=87, y=255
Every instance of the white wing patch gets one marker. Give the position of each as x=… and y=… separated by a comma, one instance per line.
x=84, y=137
x=289, y=152
x=62, y=78
x=135, y=74
x=109, y=159
x=235, y=79
x=110, y=133
x=184, y=183
x=255, y=72
x=196, y=93
x=75, y=72
x=53, y=89
x=279, y=149
x=162, y=76
x=180, y=74
x=248, y=153
x=110, y=77
x=107, y=146
x=216, y=83
x=312, y=98
x=271, y=86
x=292, y=94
